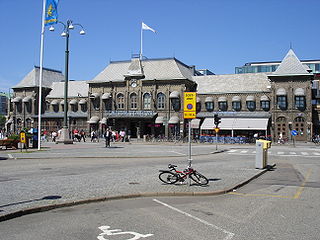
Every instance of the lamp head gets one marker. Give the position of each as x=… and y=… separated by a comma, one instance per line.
x=71, y=26
x=82, y=32
x=64, y=34
x=51, y=28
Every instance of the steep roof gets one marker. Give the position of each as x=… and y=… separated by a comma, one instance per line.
x=232, y=83
x=75, y=89
x=32, y=78
x=160, y=69
x=291, y=65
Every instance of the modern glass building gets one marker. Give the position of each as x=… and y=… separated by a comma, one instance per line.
x=257, y=67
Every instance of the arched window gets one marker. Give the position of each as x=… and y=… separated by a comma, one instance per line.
x=147, y=101
x=120, y=101
x=209, y=104
x=236, y=103
x=133, y=101
x=161, y=101
x=282, y=99
x=222, y=104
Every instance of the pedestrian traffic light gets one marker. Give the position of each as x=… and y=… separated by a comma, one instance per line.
x=217, y=120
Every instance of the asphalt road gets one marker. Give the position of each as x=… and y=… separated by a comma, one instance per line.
x=281, y=204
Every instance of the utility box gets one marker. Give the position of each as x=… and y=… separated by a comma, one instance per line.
x=262, y=147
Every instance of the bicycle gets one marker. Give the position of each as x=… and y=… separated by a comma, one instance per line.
x=173, y=175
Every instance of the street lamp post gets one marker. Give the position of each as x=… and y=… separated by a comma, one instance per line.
x=65, y=136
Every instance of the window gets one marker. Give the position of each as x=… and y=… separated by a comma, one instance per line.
x=300, y=102
x=251, y=105
x=84, y=107
x=282, y=102
x=147, y=101
x=120, y=101
x=108, y=104
x=299, y=119
x=161, y=101
x=74, y=107
x=209, y=106
x=223, y=106
x=133, y=101
x=236, y=105
x=265, y=105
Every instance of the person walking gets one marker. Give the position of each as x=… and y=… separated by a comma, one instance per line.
x=82, y=135
x=108, y=136
x=93, y=136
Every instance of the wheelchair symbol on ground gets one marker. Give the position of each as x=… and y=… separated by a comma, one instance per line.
x=112, y=232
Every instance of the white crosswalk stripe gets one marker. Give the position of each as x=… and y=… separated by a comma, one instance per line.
x=244, y=151
x=293, y=153
x=231, y=151
x=316, y=153
x=280, y=153
x=239, y=151
x=304, y=153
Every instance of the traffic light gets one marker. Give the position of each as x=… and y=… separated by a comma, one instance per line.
x=217, y=120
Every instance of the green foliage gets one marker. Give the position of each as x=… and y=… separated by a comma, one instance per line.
x=2, y=120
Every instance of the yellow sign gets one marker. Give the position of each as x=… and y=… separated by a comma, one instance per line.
x=217, y=130
x=23, y=137
x=189, y=105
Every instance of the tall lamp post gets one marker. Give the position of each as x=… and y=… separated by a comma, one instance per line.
x=65, y=137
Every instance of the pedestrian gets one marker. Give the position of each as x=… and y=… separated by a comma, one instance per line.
x=129, y=135
x=122, y=135
x=82, y=136
x=107, y=137
x=93, y=136
x=54, y=136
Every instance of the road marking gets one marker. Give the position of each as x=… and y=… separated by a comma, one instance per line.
x=229, y=234
x=254, y=152
x=178, y=153
x=293, y=153
x=107, y=231
x=304, y=153
x=316, y=153
x=298, y=193
x=230, y=151
x=10, y=155
x=258, y=195
x=280, y=153
x=245, y=151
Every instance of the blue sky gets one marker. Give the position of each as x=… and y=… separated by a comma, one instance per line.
x=213, y=34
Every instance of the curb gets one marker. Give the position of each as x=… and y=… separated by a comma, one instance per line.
x=28, y=211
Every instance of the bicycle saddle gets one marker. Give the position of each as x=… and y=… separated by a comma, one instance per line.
x=171, y=166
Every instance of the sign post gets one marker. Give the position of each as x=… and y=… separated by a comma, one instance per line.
x=189, y=112
x=294, y=133
x=216, y=129
x=23, y=140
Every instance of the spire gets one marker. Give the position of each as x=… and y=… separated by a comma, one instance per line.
x=291, y=65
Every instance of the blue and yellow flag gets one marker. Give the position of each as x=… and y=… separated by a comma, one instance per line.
x=51, y=16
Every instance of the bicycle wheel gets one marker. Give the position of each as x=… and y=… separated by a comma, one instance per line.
x=199, y=178
x=168, y=177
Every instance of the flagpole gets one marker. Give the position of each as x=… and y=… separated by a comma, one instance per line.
x=141, y=42
x=40, y=75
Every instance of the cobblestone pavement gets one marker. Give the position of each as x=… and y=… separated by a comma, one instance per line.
x=64, y=173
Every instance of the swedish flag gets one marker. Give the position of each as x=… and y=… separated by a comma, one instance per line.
x=51, y=16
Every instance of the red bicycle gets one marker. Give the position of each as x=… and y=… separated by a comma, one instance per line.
x=173, y=175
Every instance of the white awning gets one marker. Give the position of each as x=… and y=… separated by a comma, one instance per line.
x=62, y=102
x=94, y=120
x=174, y=120
x=103, y=121
x=82, y=101
x=264, y=98
x=95, y=95
x=281, y=92
x=174, y=94
x=55, y=102
x=16, y=100
x=208, y=99
x=198, y=100
x=195, y=123
x=106, y=96
x=73, y=102
x=237, y=124
x=250, y=98
x=27, y=99
x=299, y=92
x=222, y=99
x=236, y=99
x=159, y=120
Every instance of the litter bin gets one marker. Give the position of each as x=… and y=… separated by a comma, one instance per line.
x=35, y=138
x=262, y=147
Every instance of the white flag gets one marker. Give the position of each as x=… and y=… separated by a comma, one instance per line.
x=146, y=27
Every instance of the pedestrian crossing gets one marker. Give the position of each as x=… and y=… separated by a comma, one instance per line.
x=288, y=153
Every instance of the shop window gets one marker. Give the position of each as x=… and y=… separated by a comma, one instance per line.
x=282, y=102
x=251, y=105
x=223, y=106
x=265, y=105
x=120, y=101
x=133, y=101
x=209, y=106
x=300, y=102
x=236, y=105
x=161, y=101
x=147, y=101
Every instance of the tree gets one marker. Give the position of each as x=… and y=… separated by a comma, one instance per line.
x=2, y=121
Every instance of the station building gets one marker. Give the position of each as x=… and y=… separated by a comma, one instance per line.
x=145, y=97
